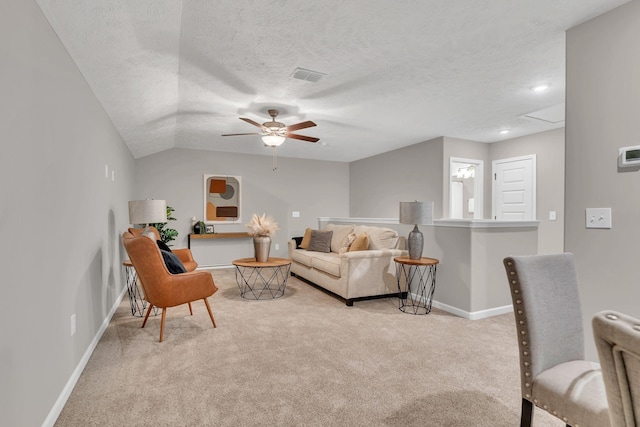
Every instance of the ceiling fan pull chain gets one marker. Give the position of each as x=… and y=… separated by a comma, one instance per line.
x=275, y=160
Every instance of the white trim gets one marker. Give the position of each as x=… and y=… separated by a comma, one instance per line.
x=212, y=267
x=474, y=315
x=483, y=223
x=358, y=220
x=55, y=411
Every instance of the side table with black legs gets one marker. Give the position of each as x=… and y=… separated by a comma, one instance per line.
x=424, y=270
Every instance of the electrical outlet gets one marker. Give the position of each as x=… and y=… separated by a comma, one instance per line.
x=552, y=215
x=277, y=246
x=73, y=324
x=113, y=175
x=295, y=214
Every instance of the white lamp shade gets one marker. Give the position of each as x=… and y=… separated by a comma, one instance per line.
x=273, y=140
x=147, y=211
x=416, y=213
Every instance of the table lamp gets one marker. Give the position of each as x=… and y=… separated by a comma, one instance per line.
x=147, y=212
x=416, y=213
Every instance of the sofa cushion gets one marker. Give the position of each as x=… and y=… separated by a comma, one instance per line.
x=320, y=241
x=340, y=232
x=379, y=237
x=327, y=262
x=306, y=239
x=302, y=257
x=361, y=243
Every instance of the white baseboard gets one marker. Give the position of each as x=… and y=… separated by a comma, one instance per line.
x=473, y=315
x=71, y=383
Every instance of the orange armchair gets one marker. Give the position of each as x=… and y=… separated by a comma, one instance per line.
x=161, y=288
x=183, y=253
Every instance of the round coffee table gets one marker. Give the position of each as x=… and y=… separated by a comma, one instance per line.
x=262, y=279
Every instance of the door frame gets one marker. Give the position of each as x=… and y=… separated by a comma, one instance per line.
x=534, y=179
x=478, y=185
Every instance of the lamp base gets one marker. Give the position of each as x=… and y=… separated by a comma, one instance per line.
x=415, y=243
x=149, y=233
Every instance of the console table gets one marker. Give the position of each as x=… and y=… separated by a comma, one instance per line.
x=233, y=235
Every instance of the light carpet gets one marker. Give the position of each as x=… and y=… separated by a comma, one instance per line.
x=305, y=359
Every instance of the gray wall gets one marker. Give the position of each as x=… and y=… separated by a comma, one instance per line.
x=549, y=150
x=312, y=187
x=377, y=184
x=603, y=103
x=60, y=218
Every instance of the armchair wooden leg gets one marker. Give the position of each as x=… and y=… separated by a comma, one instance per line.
x=164, y=315
x=527, y=413
x=147, y=316
x=190, y=309
x=206, y=302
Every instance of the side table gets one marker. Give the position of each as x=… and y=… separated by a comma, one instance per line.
x=424, y=269
x=262, y=278
x=136, y=297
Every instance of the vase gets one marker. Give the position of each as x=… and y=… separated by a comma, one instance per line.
x=262, y=245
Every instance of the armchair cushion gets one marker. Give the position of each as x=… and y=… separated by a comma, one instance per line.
x=173, y=263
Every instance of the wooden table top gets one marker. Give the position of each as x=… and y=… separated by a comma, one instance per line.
x=251, y=262
x=421, y=261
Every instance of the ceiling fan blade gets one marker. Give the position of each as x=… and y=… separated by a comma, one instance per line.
x=237, y=134
x=302, y=137
x=302, y=125
x=251, y=122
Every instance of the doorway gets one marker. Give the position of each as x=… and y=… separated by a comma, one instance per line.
x=465, y=188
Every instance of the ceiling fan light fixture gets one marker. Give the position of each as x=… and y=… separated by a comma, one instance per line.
x=273, y=140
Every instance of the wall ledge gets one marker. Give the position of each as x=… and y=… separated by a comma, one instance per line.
x=484, y=223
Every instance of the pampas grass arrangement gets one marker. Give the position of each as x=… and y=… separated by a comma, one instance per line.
x=262, y=225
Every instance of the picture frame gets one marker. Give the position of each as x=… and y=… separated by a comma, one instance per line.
x=209, y=229
x=222, y=199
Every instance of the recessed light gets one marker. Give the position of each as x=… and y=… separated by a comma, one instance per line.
x=541, y=87
x=504, y=131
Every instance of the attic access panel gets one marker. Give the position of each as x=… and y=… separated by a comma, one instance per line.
x=222, y=199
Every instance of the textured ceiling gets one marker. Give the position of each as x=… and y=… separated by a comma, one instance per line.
x=180, y=73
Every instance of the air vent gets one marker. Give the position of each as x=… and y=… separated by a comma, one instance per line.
x=308, y=75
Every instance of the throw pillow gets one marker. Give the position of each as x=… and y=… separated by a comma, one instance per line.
x=347, y=242
x=320, y=241
x=173, y=263
x=361, y=243
x=163, y=246
x=306, y=239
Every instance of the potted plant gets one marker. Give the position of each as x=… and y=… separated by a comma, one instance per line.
x=262, y=228
x=166, y=234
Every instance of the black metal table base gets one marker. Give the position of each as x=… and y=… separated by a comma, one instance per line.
x=262, y=282
x=419, y=301
x=136, y=297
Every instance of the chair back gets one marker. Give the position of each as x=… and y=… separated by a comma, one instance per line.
x=150, y=267
x=546, y=303
x=138, y=231
x=617, y=339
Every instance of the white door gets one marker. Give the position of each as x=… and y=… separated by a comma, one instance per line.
x=514, y=188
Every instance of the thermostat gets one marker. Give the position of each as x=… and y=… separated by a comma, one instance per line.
x=629, y=156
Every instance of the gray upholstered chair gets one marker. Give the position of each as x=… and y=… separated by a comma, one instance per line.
x=554, y=375
x=617, y=338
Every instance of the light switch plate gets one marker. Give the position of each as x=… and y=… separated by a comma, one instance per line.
x=598, y=218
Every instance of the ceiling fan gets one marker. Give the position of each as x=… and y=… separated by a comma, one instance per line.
x=274, y=133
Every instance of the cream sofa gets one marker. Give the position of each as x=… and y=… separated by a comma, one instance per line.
x=352, y=275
